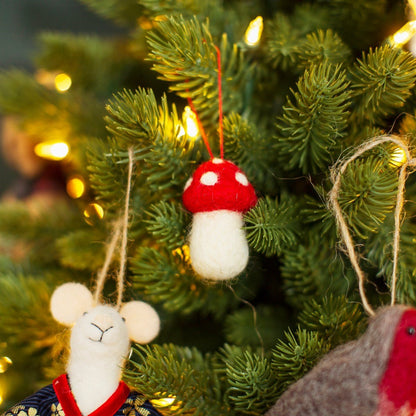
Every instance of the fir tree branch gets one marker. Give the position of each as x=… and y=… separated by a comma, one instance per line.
x=252, y=386
x=167, y=223
x=245, y=146
x=312, y=269
x=126, y=12
x=310, y=129
x=322, y=46
x=183, y=53
x=166, y=278
x=382, y=81
x=335, y=319
x=270, y=322
x=293, y=358
x=273, y=226
x=154, y=372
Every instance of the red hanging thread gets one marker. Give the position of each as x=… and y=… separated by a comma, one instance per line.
x=220, y=112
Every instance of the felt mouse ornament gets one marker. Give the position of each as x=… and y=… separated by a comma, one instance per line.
x=100, y=343
x=372, y=376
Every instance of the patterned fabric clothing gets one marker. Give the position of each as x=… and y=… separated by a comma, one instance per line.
x=57, y=400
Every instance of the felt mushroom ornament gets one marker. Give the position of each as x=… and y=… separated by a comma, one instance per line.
x=218, y=194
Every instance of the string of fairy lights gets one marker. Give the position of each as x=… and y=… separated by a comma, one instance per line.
x=76, y=187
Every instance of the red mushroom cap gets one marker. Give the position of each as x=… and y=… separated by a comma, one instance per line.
x=218, y=184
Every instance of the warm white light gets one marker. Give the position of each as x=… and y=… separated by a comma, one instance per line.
x=190, y=122
x=5, y=363
x=63, y=82
x=398, y=157
x=94, y=209
x=52, y=150
x=254, y=31
x=75, y=187
x=165, y=402
x=404, y=34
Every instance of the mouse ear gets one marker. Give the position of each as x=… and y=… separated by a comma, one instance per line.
x=69, y=301
x=142, y=321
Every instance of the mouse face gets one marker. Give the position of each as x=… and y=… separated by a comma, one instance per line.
x=102, y=331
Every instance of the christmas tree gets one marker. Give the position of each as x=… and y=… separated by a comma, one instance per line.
x=322, y=78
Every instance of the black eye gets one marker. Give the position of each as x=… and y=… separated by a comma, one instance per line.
x=411, y=330
x=123, y=319
x=84, y=313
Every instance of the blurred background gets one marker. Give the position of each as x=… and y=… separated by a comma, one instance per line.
x=20, y=23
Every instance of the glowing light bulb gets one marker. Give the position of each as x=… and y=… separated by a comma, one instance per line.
x=63, y=82
x=254, y=31
x=412, y=4
x=404, y=34
x=190, y=122
x=164, y=402
x=398, y=157
x=75, y=187
x=52, y=150
x=5, y=363
x=93, y=212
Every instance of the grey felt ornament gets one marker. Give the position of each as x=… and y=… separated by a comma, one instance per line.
x=372, y=376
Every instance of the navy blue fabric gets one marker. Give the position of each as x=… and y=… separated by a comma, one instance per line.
x=45, y=403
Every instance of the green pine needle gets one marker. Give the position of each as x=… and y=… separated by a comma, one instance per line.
x=283, y=42
x=167, y=278
x=335, y=319
x=241, y=325
x=126, y=12
x=272, y=225
x=252, y=386
x=382, y=81
x=183, y=53
x=323, y=46
x=169, y=371
x=293, y=358
x=310, y=130
x=245, y=146
x=313, y=269
x=167, y=223
x=368, y=193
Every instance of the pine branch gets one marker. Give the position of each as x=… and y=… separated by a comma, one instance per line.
x=313, y=269
x=167, y=223
x=368, y=194
x=25, y=320
x=183, y=53
x=22, y=95
x=154, y=372
x=270, y=321
x=294, y=357
x=335, y=319
x=380, y=253
x=245, y=146
x=73, y=54
x=126, y=12
x=252, y=386
x=358, y=23
x=167, y=278
x=283, y=42
x=163, y=155
x=382, y=81
x=322, y=46
x=311, y=127
x=273, y=226
x=83, y=249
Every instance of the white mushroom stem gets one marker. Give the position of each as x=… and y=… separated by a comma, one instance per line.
x=218, y=244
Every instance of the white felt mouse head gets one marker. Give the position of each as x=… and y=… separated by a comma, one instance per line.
x=101, y=329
